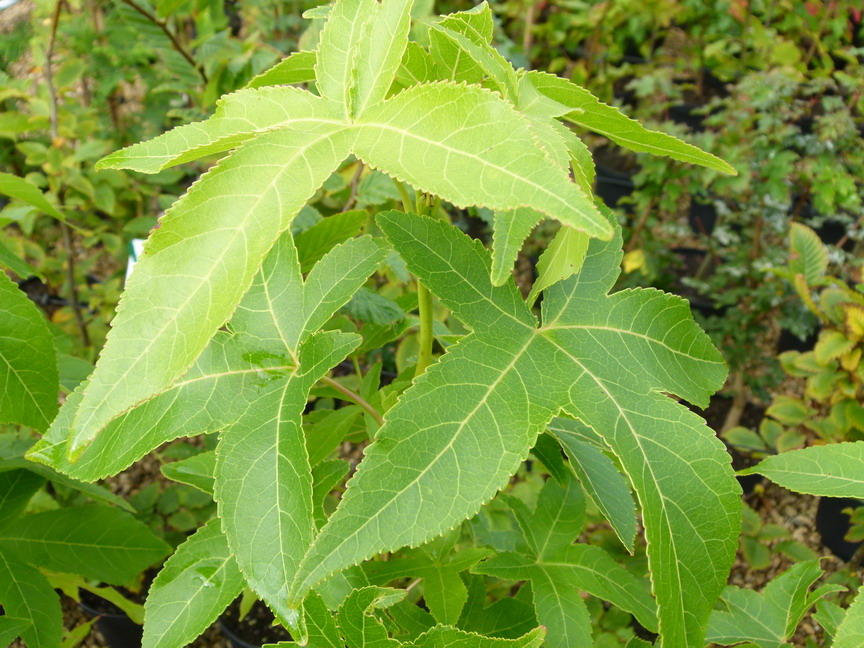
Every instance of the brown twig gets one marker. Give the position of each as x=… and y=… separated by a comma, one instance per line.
x=528, y=34
x=161, y=24
x=355, y=185
x=640, y=225
x=64, y=228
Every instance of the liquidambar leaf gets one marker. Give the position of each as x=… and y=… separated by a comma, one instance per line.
x=480, y=409
x=835, y=470
x=850, y=634
x=193, y=588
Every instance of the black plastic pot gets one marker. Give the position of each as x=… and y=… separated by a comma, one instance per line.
x=236, y=641
x=118, y=630
x=612, y=186
x=833, y=525
x=702, y=217
x=254, y=630
x=686, y=114
x=788, y=341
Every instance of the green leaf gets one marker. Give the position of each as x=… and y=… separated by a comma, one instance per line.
x=835, y=470
x=10, y=628
x=808, y=255
x=770, y=618
x=16, y=265
x=560, y=260
x=604, y=483
x=193, y=588
x=27, y=597
x=482, y=406
x=16, y=489
x=239, y=117
x=850, y=633
x=263, y=477
x=20, y=189
x=446, y=637
x=195, y=471
x=94, y=541
x=360, y=627
x=297, y=67
x=360, y=51
x=510, y=231
x=313, y=243
x=448, y=128
x=583, y=109
x=831, y=345
x=28, y=362
x=208, y=248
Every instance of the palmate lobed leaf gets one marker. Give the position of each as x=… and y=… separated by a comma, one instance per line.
x=481, y=407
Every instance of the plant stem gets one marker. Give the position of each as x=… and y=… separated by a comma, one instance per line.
x=424, y=355
x=355, y=185
x=355, y=398
x=174, y=40
x=64, y=228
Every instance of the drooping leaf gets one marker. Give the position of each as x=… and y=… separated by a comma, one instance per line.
x=588, y=341
x=94, y=541
x=196, y=471
x=585, y=110
x=27, y=598
x=850, y=633
x=770, y=618
x=560, y=260
x=20, y=189
x=193, y=588
x=28, y=362
x=604, y=483
x=835, y=470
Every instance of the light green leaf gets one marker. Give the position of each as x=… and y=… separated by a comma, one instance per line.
x=562, y=611
x=325, y=477
x=193, y=588
x=239, y=117
x=27, y=598
x=208, y=248
x=297, y=67
x=361, y=49
x=604, y=483
x=835, y=470
x=464, y=36
x=263, y=480
x=20, y=189
x=850, y=634
x=510, y=231
x=447, y=637
x=10, y=628
x=449, y=128
x=808, y=255
x=263, y=477
x=588, y=341
x=770, y=618
x=587, y=111
x=560, y=260
x=417, y=66
x=94, y=541
x=195, y=471
x=28, y=362
x=16, y=265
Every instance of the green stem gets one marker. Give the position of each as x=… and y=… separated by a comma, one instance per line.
x=424, y=355
x=354, y=397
